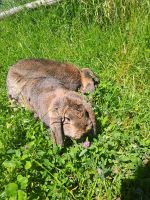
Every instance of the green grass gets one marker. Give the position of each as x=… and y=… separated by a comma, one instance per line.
x=7, y=4
x=113, y=39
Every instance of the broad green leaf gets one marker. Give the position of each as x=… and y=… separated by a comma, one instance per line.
x=82, y=152
x=24, y=156
x=9, y=165
x=11, y=190
x=22, y=195
x=23, y=181
x=28, y=165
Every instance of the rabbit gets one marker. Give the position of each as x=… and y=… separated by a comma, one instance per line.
x=68, y=74
x=65, y=112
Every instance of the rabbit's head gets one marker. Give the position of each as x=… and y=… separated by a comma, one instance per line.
x=77, y=117
x=76, y=121
x=89, y=80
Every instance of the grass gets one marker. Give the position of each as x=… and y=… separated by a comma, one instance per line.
x=112, y=38
x=7, y=4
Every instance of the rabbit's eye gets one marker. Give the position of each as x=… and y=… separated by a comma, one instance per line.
x=86, y=114
x=67, y=119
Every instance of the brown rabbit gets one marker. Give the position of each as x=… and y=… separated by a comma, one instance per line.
x=68, y=74
x=64, y=111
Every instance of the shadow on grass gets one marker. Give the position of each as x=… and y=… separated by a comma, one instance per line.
x=138, y=188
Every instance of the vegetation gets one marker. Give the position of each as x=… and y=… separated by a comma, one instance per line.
x=113, y=39
x=7, y=4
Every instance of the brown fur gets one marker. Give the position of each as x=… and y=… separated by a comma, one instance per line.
x=68, y=74
x=64, y=111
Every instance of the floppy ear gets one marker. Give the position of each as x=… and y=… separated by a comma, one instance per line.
x=89, y=73
x=56, y=127
x=94, y=77
x=91, y=115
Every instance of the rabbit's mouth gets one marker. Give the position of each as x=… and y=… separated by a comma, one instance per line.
x=76, y=136
x=82, y=136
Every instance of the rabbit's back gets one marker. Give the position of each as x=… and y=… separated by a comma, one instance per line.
x=68, y=74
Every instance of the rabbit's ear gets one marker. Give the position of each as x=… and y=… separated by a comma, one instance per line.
x=56, y=128
x=89, y=73
x=57, y=134
x=95, y=78
x=91, y=115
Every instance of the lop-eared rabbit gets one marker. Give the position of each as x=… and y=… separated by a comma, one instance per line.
x=68, y=74
x=64, y=111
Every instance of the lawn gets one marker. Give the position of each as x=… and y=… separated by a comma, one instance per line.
x=7, y=4
x=113, y=39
